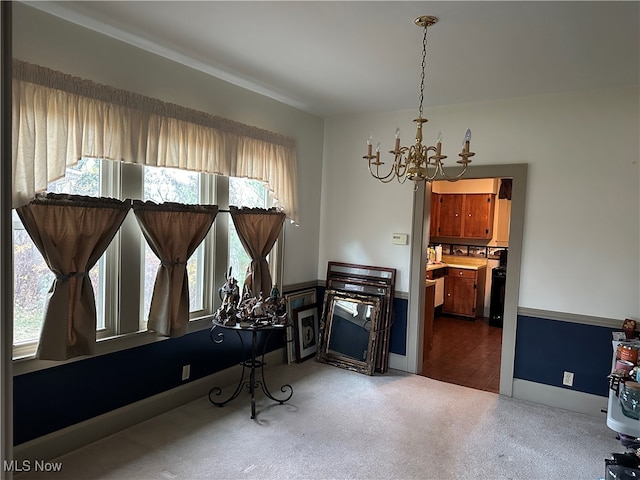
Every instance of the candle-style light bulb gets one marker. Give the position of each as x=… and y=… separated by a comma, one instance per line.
x=378, y=152
x=369, y=141
x=467, y=139
x=397, y=139
x=378, y=147
x=439, y=145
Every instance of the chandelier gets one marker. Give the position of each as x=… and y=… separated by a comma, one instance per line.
x=418, y=162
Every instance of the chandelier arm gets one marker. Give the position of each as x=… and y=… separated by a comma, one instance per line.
x=431, y=178
x=400, y=167
x=377, y=176
x=454, y=177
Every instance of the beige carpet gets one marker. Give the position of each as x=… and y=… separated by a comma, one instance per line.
x=343, y=425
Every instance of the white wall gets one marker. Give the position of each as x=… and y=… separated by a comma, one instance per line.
x=49, y=41
x=581, y=247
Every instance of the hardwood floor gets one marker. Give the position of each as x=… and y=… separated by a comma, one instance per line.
x=465, y=352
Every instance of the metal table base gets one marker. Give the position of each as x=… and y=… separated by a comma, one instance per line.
x=250, y=365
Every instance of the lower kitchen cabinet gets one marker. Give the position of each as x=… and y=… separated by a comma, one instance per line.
x=464, y=292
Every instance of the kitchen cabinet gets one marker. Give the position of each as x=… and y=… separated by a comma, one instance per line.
x=464, y=292
x=463, y=215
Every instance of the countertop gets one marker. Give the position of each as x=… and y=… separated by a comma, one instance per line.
x=454, y=261
x=436, y=266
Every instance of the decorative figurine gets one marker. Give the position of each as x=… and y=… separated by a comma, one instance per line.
x=249, y=310
x=275, y=293
x=230, y=292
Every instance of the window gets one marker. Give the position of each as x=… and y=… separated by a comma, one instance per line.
x=180, y=186
x=124, y=277
x=32, y=278
x=247, y=193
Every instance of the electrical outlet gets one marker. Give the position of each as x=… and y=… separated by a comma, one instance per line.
x=567, y=379
x=186, y=372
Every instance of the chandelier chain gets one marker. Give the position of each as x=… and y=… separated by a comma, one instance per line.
x=424, y=64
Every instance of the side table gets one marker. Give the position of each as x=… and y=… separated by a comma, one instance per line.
x=251, y=364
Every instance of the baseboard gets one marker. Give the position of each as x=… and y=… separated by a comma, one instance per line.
x=558, y=397
x=67, y=439
x=398, y=362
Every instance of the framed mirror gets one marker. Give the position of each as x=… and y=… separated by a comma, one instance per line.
x=369, y=280
x=348, y=329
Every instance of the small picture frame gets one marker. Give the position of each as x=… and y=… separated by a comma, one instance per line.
x=494, y=253
x=446, y=248
x=306, y=330
x=294, y=301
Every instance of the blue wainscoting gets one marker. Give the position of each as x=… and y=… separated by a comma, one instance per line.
x=546, y=348
x=54, y=398
x=398, y=337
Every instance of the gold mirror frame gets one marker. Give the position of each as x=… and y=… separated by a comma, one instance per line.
x=369, y=280
x=349, y=323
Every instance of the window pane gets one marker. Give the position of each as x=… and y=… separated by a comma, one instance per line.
x=32, y=277
x=243, y=192
x=179, y=186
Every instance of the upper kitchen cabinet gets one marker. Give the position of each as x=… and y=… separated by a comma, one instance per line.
x=462, y=215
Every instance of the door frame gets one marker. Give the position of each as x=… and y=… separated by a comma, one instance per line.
x=420, y=242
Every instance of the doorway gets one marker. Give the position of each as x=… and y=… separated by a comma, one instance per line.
x=419, y=244
x=464, y=343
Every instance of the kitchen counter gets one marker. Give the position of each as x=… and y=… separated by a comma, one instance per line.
x=464, y=279
x=437, y=266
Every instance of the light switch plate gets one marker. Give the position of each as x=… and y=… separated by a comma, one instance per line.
x=400, y=238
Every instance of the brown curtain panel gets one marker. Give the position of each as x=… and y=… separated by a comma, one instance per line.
x=173, y=231
x=258, y=230
x=71, y=232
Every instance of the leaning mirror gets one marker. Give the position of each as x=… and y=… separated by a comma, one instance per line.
x=348, y=331
x=368, y=280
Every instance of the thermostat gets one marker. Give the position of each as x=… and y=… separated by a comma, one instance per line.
x=400, y=238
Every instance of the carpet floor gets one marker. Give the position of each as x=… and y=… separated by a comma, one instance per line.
x=344, y=425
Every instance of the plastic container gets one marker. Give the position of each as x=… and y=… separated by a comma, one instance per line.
x=630, y=399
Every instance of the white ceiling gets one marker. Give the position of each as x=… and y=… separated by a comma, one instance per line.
x=332, y=58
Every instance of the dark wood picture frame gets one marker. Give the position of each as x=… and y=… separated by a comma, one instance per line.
x=306, y=327
x=368, y=280
x=296, y=300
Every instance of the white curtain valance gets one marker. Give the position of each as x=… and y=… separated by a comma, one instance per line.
x=58, y=119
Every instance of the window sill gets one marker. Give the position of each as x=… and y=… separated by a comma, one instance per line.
x=28, y=363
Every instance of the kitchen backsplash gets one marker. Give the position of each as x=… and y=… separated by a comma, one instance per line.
x=490, y=253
